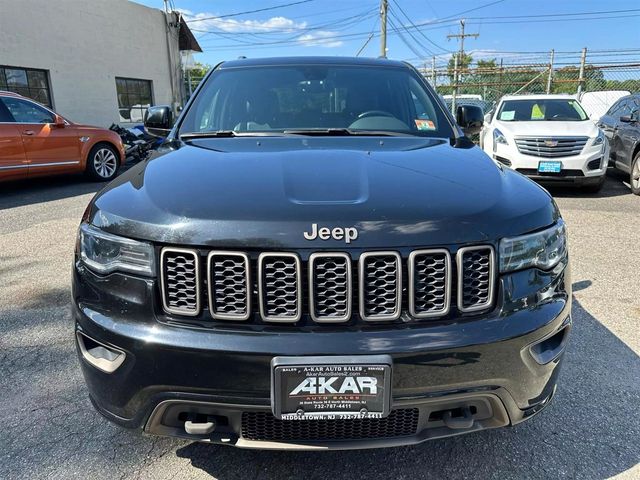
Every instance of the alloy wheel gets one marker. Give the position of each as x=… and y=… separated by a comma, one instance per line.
x=635, y=175
x=105, y=163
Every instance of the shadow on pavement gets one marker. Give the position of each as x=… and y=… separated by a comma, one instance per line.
x=29, y=192
x=590, y=431
x=616, y=185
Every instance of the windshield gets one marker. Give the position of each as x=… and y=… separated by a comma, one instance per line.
x=313, y=98
x=542, y=110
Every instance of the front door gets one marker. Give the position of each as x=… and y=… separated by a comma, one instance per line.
x=49, y=148
x=13, y=161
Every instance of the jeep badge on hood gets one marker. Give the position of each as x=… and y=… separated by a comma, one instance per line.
x=348, y=234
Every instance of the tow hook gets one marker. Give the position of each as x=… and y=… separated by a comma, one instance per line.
x=458, y=422
x=199, y=428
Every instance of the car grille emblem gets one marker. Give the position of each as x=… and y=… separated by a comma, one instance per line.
x=348, y=234
x=551, y=143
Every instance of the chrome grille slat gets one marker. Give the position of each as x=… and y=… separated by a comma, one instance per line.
x=330, y=295
x=380, y=286
x=565, y=146
x=476, y=277
x=279, y=287
x=228, y=277
x=429, y=283
x=180, y=281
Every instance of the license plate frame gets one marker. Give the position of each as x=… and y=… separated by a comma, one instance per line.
x=287, y=371
x=549, y=166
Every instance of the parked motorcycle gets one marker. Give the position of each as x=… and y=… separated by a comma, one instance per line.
x=137, y=143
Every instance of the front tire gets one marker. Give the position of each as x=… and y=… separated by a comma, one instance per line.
x=634, y=176
x=103, y=163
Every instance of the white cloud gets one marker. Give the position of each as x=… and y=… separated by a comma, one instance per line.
x=200, y=23
x=321, y=38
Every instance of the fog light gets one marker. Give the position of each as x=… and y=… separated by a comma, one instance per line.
x=595, y=164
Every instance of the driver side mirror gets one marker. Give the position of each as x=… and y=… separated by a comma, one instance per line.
x=470, y=118
x=158, y=120
x=627, y=118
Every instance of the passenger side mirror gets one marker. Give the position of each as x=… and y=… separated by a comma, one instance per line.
x=58, y=121
x=158, y=120
x=470, y=118
x=487, y=118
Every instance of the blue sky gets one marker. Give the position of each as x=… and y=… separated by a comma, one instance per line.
x=331, y=27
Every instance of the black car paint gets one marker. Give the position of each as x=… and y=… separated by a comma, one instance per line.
x=262, y=193
x=623, y=136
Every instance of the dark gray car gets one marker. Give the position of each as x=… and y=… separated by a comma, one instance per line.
x=621, y=125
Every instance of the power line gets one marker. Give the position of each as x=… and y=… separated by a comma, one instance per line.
x=419, y=31
x=237, y=14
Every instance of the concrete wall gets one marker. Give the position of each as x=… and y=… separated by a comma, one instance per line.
x=85, y=44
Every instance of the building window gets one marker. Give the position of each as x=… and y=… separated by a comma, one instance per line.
x=28, y=82
x=134, y=97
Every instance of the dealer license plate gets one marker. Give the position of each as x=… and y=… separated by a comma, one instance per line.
x=308, y=388
x=549, y=167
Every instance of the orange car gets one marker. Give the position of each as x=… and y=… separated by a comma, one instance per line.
x=35, y=142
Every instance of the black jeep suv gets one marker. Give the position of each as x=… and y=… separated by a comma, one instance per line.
x=319, y=258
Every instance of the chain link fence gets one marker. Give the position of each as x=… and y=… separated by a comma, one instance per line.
x=486, y=81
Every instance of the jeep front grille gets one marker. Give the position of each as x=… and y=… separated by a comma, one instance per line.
x=551, y=147
x=328, y=288
x=264, y=426
x=380, y=286
x=279, y=287
x=429, y=282
x=229, y=285
x=180, y=280
x=475, y=278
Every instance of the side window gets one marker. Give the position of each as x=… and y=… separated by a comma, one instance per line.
x=27, y=112
x=612, y=109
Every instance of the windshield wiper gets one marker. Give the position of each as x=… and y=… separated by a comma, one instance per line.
x=226, y=134
x=343, y=132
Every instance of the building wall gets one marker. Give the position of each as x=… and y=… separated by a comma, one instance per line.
x=84, y=45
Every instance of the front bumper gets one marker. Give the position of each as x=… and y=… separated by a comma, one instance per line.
x=171, y=373
x=588, y=168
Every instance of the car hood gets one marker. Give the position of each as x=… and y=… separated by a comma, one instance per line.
x=265, y=192
x=548, y=129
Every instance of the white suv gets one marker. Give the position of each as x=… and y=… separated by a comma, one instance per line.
x=549, y=138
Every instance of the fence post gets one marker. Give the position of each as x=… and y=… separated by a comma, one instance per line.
x=454, y=93
x=433, y=71
x=550, y=77
x=583, y=61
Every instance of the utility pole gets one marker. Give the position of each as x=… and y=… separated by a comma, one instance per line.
x=459, y=60
x=583, y=61
x=550, y=77
x=433, y=71
x=383, y=28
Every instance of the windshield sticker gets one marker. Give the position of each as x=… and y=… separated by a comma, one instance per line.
x=507, y=115
x=425, y=124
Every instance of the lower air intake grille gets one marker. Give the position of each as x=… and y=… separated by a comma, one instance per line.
x=475, y=278
x=264, y=426
x=380, y=285
x=279, y=287
x=180, y=281
x=429, y=282
x=229, y=286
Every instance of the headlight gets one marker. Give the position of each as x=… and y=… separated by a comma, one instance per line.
x=599, y=139
x=105, y=253
x=498, y=137
x=542, y=249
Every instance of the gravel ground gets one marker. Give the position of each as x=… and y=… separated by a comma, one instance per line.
x=50, y=430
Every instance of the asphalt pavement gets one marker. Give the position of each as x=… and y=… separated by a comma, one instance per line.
x=48, y=428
